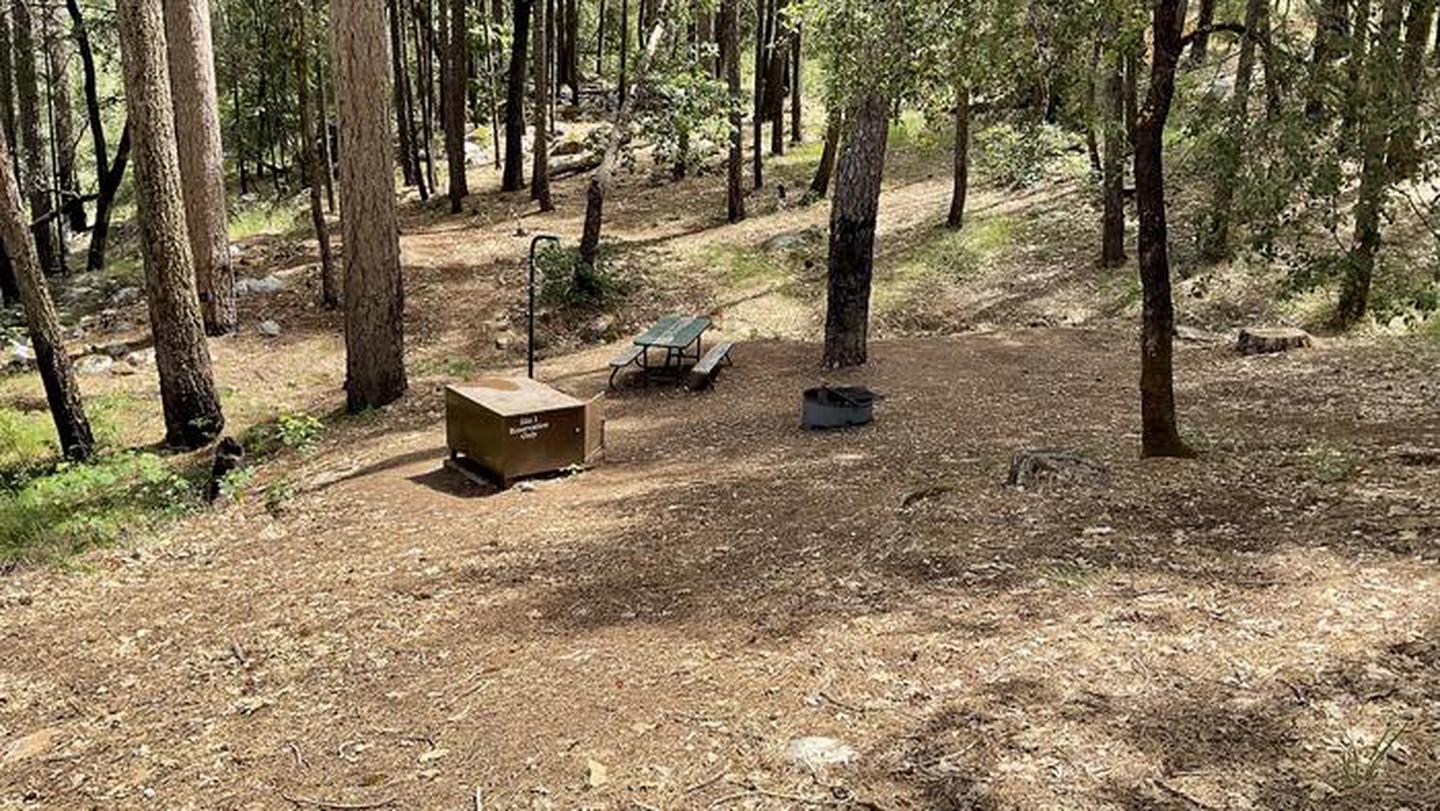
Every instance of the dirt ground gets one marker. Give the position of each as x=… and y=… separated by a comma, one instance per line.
x=1254, y=629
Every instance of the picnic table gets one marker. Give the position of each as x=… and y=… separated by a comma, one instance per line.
x=680, y=336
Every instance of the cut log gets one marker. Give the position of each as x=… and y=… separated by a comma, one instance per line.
x=1268, y=340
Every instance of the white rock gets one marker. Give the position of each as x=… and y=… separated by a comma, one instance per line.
x=265, y=286
x=269, y=329
x=94, y=364
x=817, y=751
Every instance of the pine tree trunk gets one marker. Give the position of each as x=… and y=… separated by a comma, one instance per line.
x=95, y=120
x=852, y=233
x=456, y=101
x=540, y=168
x=374, y=289
x=757, y=120
x=570, y=53
x=797, y=66
x=1229, y=149
x=514, y=177
x=9, y=290
x=600, y=183
x=961, y=185
x=490, y=98
x=425, y=84
x=109, y=186
x=56, y=373
x=1133, y=65
x=775, y=59
x=202, y=159
x=7, y=92
x=187, y=386
x=1159, y=433
x=322, y=110
x=312, y=137
x=624, y=81
x=36, y=158
x=729, y=22
x=1376, y=103
x=1116, y=147
x=820, y=185
x=58, y=52
x=405, y=152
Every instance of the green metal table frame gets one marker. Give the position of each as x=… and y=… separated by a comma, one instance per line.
x=681, y=336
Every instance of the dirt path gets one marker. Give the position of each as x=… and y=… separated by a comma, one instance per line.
x=1234, y=632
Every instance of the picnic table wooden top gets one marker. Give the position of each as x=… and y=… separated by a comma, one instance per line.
x=674, y=331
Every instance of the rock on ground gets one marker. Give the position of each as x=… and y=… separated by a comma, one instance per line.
x=1268, y=340
x=94, y=364
x=263, y=286
x=817, y=751
x=1039, y=465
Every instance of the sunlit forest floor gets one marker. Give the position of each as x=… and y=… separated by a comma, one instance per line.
x=359, y=626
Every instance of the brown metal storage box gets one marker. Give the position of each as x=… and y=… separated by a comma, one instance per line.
x=515, y=426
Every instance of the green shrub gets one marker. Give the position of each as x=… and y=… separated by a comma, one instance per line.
x=299, y=432
x=27, y=443
x=276, y=495
x=567, y=282
x=236, y=484
x=81, y=505
x=1021, y=156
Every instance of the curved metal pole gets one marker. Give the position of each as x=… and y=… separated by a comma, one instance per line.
x=530, y=338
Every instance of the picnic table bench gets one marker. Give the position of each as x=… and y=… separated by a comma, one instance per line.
x=681, y=337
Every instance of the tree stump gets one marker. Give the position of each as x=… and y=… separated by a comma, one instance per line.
x=1039, y=465
x=1269, y=340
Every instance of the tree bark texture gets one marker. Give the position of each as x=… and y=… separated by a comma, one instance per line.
x=1116, y=147
x=729, y=22
x=202, y=159
x=600, y=182
x=852, y=233
x=540, y=167
x=456, y=101
x=187, y=386
x=1377, y=103
x=62, y=393
x=1160, y=435
x=312, y=140
x=58, y=50
x=374, y=289
x=514, y=177
x=820, y=185
x=961, y=172
x=7, y=92
x=400, y=85
x=35, y=157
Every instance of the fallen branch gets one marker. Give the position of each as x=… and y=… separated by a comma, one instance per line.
x=336, y=804
x=1182, y=796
